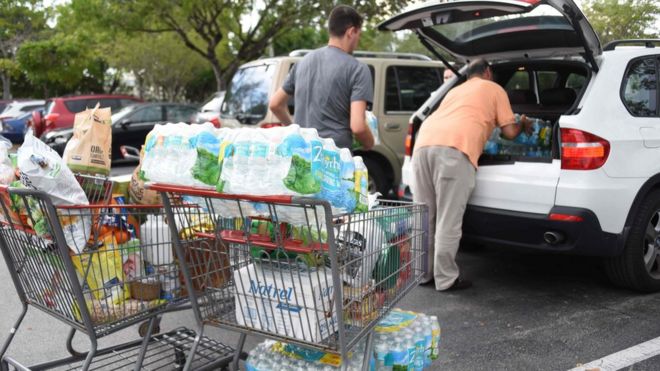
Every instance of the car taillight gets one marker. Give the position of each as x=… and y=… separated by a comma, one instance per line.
x=268, y=125
x=51, y=117
x=216, y=122
x=409, y=140
x=582, y=151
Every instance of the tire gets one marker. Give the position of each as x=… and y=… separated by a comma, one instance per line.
x=630, y=269
x=377, y=177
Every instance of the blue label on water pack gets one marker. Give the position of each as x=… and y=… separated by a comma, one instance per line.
x=259, y=149
x=242, y=149
x=294, y=144
x=317, y=159
x=207, y=141
x=331, y=188
x=151, y=142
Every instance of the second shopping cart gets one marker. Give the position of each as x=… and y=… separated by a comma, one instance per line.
x=287, y=268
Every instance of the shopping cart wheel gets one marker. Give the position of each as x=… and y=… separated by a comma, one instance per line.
x=144, y=326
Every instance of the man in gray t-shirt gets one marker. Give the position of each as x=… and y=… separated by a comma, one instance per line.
x=331, y=89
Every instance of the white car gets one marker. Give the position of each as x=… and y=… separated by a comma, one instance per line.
x=595, y=189
x=20, y=107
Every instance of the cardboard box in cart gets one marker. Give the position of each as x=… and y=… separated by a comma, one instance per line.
x=292, y=302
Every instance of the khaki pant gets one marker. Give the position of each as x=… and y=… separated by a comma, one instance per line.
x=444, y=180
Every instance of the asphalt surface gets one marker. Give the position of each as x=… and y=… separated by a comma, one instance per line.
x=525, y=312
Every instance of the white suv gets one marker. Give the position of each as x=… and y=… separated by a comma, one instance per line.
x=595, y=190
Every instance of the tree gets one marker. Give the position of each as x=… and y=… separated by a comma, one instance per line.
x=20, y=21
x=623, y=19
x=226, y=33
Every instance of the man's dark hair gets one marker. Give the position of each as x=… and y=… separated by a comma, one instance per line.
x=342, y=18
x=477, y=67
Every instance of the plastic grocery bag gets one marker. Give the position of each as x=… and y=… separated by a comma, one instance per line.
x=43, y=169
x=89, y=150
x=362, y=240
x=7, y=174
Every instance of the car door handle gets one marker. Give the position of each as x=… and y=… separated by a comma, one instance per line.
x=392, y=126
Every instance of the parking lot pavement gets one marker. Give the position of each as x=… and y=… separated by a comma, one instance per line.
x=534, y=312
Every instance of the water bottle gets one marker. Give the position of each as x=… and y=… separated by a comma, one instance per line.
x=239, y=164
x=257, y=174
x=381, y=354
x=311, y=135
x=435, y=345
x=410, y=348
x=361, y=185
x=420, y=347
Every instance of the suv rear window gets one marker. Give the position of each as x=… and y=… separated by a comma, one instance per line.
x=247, y=97
x=640, y=88
x=76, y=105
x=407, y=88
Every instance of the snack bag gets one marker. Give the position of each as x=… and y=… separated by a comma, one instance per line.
x=103, y=272
x=89, y=150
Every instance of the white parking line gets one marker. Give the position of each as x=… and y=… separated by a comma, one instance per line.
x=624, y=358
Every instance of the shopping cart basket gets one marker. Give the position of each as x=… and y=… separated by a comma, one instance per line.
x=286, y=268
x=98, y=268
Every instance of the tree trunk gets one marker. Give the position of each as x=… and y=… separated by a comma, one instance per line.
x=6, y=86
x=217, y=71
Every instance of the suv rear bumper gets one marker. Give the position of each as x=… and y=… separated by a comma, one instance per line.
x=526, y=230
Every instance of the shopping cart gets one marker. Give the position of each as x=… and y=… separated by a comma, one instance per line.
x=288, y=269
x=99, y=268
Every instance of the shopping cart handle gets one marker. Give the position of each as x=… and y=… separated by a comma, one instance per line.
x=202, y=192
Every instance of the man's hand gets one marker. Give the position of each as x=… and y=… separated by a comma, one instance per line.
x=359, y=125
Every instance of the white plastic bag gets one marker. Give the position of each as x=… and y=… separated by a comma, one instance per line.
x=43, y=169
x=6, y=170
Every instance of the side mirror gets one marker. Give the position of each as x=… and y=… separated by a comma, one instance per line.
x=124, y=123
x=130, y=153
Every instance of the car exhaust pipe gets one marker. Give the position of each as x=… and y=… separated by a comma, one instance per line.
x=553, y=238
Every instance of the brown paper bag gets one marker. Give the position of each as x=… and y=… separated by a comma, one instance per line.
x=137, y=192
x=89, y=150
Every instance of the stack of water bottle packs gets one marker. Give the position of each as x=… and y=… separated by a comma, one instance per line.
x=536, y=144
x=254, y=161
x=403, y=340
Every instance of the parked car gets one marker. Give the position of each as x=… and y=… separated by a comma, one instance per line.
x=402, y=82
x=209, y=111
x=60, y=112
x=130, y=125
x=19, y=107
x=596, y=192
x=14, y=128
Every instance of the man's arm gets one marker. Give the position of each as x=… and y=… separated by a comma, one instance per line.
x=512, y=130
x=359, y=125
x=278, y=105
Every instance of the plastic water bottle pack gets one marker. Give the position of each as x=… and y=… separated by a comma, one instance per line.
x=403, y=341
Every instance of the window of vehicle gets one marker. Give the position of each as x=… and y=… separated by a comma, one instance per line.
x=77, y=105
x=31, y=108
x=519, y=81
x=179, y=113
x=247, y=97
x=147, y=114
x=126, y=102
x=113, y=103
x=49, y=107
x=546, y=79
x=407, y=88
x=575, y=81
x=640, y=88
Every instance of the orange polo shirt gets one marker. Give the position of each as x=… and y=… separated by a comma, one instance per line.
x=467, y=117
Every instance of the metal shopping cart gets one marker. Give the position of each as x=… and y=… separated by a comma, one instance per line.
x=99, y=268
x=288, y=269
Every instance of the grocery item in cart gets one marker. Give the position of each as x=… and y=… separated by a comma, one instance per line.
x=303, y=175
x=360, y=241
x=103, y=271
x=89, y=149
x=43, y=169
x=361, y=185
x=7, y=173
x=293, y=302
x=137, y=192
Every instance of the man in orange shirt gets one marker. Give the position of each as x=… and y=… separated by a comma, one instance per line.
x=447, y=148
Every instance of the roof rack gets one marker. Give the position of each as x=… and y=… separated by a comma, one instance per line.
x=370, y=54
x=649, y=43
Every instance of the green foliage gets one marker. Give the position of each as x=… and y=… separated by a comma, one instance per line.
x=623, y=19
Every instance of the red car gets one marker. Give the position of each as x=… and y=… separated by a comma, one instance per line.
x=60, y=112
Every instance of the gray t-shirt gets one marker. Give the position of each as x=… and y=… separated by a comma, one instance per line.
x=324, y=83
